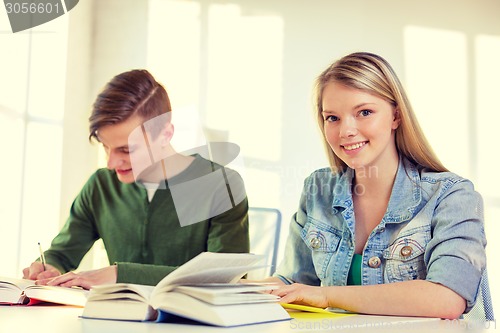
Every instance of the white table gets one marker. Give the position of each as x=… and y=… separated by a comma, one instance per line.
x=65, y=319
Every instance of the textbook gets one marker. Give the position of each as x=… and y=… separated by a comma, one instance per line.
x=26, y=292
x=203, y=290
x=222, y=294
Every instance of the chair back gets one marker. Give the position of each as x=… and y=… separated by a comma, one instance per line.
x=483, y=309
x=264, y=231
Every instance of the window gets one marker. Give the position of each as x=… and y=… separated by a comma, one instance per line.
x=33, y=71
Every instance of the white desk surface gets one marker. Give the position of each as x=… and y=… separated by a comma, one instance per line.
x=64, y=319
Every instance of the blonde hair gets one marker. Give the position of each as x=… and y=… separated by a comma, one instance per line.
x=373, y=74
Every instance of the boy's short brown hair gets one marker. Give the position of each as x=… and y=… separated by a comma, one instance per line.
x=135, y=92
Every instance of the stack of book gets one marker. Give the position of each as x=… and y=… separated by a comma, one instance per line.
x=204, y=290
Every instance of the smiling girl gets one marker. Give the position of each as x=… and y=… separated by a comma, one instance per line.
x=386, y=229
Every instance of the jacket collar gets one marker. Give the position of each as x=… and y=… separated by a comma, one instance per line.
x=405, y=196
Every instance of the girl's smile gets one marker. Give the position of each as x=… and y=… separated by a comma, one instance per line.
x=351, y=148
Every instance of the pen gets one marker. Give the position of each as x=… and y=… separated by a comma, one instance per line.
x=42, y=256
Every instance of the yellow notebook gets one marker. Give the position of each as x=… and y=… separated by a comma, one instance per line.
x=298, y=311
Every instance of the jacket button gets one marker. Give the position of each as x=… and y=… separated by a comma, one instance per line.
x=374, y=262
x=406, y=251
x=315, y=243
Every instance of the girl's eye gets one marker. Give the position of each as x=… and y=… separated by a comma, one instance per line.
x=365, y=113
x=331, y=118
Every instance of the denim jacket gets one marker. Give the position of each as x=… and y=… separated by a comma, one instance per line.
x=433, y=229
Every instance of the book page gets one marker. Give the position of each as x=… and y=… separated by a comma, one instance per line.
x=229, y=288
x=208, y=267
x=231, y=294
x=56, y=294
x=121, y=290
x=13, y=283
x=137, y=292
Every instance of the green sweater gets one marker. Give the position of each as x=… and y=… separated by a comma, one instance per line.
x=145, y=239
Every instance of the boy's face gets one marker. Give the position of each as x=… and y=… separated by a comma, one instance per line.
x=118, y=148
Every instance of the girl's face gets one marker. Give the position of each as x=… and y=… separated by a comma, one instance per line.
x=359, y=127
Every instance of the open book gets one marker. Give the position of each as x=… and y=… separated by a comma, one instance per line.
x=25, y=292
x=204, y=290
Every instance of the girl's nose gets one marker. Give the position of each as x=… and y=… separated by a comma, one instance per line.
x=348, y=128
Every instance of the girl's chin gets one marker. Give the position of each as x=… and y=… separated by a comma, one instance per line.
x=354, y=163
x=357, y=166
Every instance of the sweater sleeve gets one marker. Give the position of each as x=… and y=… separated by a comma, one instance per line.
x=128, y=272
x=229, y=231
x=77, y=235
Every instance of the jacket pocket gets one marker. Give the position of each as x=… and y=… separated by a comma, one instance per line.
x=322, y=240
x=405, y=256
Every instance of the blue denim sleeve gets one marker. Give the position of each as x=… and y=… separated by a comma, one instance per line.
x=297, y=265
x=455, y=255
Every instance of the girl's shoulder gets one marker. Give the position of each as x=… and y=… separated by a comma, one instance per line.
x=447, y=178
x=430, y=177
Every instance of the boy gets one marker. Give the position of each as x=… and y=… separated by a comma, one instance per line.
x=154, y=208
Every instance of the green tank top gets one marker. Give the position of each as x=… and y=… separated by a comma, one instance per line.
x=354, y=276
